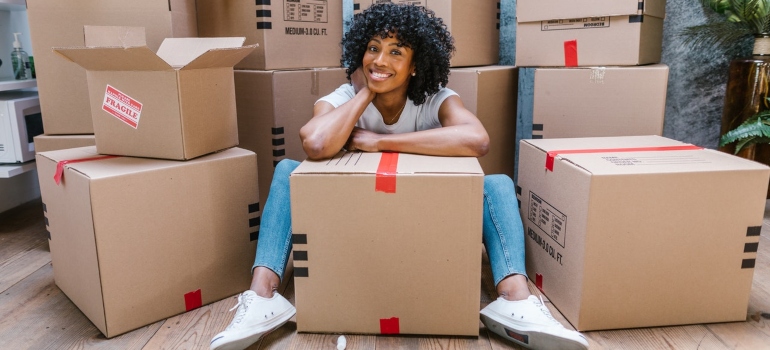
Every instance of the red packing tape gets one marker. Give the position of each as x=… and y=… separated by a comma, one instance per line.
x=570, y=53
x=389, y=326
x=193, y=300
x=59, y=175
x=385, y=180
x=549, y=159
x=539, y=281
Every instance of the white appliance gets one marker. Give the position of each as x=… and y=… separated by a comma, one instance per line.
x=20, y=121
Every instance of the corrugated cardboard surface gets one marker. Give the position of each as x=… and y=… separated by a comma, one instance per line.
x=641, y=239
x=131, y=236
x=272, y=107
x=58, y=23
x=474, y=24
x=486, y=92
x=373, y=256
x=186, y=92
x=539, y=10
x=290, y=34
x=603, y=40
x=44, y=143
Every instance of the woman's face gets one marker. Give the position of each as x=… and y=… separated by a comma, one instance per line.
x=387, y=65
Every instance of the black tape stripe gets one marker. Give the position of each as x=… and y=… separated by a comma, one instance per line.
x=279, y=152
x=46, y=221
x=253, y=236
x=519, y=202
x=279, y=142
x=537, y=127
x=264, y=13
x=253, y=222
x=498, y=16
x=498, y=5
x=264, y=25
x=299, y=238
x=641, y=5
x=301, y=272
x=277, y=131
x=254, y=207
x=748, y=263
x=537, y=137
x=753, y=231
x=49, y=234
x=300, y=255
x=751, y=247
x=45, y=209
x=518, y=190
x=636, y=19
x=275, y=163
x=356, y=7
x=263, y=2
x=498, y=26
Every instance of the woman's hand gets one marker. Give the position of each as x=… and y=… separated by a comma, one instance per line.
x=359, y=80
x=363, y=140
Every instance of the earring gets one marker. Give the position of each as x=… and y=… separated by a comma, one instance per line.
x=413, y=73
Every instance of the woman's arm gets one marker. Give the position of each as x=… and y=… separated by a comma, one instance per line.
x=461, y=134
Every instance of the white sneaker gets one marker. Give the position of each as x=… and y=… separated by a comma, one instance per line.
x=255, y=317
x=529, y=323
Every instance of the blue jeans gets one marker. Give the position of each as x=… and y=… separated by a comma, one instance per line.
x=502, y=232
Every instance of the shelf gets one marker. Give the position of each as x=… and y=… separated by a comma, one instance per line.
x=12, y=84
x=11, y=170
x=13, y=5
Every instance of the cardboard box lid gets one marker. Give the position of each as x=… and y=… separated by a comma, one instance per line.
x=541, y=10
x=407, y=164
x=629, y=155
x=174, y=53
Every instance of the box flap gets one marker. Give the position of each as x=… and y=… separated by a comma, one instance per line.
x=114, y=36
x=178, y=52
x=369, y=163
x=114, y=58
x=541, y=10
x=225, y=57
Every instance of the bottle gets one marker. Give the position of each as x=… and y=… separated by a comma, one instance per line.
x=19, y=60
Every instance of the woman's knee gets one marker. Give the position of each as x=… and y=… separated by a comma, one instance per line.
x=497, y=181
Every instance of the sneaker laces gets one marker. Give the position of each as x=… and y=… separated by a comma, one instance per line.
x=245, y=301
x=546, y=312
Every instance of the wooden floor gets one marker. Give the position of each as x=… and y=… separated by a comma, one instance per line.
x=35, y=314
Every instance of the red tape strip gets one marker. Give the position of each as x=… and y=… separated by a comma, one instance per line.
x=539, y=281
x=389, y=326
x=549, y=159
x=570, y=53
x=59, y=175
x=385, y=180
x=193, y=300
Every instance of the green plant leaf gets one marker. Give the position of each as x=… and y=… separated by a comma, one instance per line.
x=756, y=127
x=718, y=36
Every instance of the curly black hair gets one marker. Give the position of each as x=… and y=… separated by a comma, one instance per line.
x=415, y=27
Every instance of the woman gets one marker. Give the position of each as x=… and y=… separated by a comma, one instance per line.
x=398, y=64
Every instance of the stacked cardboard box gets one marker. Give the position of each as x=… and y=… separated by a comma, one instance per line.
x=136, y=235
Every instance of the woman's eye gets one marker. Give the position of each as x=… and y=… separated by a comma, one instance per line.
x=372, y=49
x=395, y=52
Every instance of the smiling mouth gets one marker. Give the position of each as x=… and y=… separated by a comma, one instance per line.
x=380, y=76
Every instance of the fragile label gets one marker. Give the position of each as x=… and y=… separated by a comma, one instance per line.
x=316, y=11
x=547, y=218
x=122, y=106
x=575, y=23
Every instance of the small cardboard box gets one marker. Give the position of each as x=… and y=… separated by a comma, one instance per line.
x=272, y=107
x=136, y=240
x=45, y=143
x=588, y=33
x=59, y=23
x=640, y=231
x=292, y=34
x=487, y=92
x=375, y=233
x=474, y=24
x=591, y=101
x=176, y=104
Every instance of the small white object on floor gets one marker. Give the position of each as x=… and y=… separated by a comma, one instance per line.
x=342, y=343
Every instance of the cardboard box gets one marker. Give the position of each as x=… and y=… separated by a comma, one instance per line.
x=45, y=143
x=629, y=232
x=588, y=33
x=58, y=23
x=487, y=92
x=370, y=248
x=474, y=24
x=176, y=104
x=591, y=101
x=272, y=107
x=135, y=240
x=291, y=34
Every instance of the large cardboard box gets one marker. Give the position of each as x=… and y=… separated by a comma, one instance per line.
x=45, y=143
x=374, y=234
x=487, y=92
x=176, y=104
x=135, y=240
x=591, y=101
x=588, y=33
x=291, y=33
x=58, y=23
x=272, y=107
x=474, y=24
x=640, y=231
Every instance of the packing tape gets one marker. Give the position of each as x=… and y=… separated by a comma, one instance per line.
x=549, y=159
x=59, y=175
x=389, y=326
x=385, y=180
x=193, y=300
x=570, y=53
x=539, y=281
